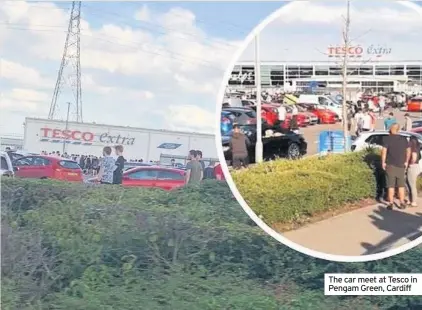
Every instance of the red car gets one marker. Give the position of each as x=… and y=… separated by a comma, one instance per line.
x=325, y=116
x=269, y=113
x=415, y=104
x=417, y=130
x=154, y=176
x=218, y=171
x=48, y=167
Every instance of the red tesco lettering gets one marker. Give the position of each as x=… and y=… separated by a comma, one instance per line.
x=67, y=134
x=342, y=50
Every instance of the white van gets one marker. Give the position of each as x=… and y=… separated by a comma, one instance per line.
x=323, y=100
x=6, y=165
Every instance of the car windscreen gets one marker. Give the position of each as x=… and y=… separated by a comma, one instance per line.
x=67, y=164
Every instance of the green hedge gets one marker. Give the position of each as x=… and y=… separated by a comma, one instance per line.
x=68, y=246
x=288, y=192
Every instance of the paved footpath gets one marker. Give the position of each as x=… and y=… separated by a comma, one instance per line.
x=364, y=231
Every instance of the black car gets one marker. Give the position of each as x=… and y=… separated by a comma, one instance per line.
x=245, y=118
x=290, y=145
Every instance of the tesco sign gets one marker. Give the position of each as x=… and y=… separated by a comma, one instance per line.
x=356, y=51
x=86, y=137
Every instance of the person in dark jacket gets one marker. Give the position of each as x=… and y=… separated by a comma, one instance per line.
x=239, y=145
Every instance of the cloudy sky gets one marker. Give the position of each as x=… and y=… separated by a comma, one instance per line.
x=159, y=65
x=303, y=30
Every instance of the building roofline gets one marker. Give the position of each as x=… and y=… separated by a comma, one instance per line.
x=317, y=62
x=162, y=131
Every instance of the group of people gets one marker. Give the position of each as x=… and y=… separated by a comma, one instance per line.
x=110, y=170
x=365, y=119
x=400, y=161
x=196, y=170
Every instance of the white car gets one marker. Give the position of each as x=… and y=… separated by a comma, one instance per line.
x=6, y=165
x=374, y=139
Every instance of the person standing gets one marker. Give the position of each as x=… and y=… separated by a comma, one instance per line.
x=413, y=170
x=373, y=119
x=282, y=114
x=366, y=121
x=239, y=146
x=199, y=158
x=389, y=121
x=407, y=122
x=120, y=163
x=209, y=171
x=107, y=167
x=358, y=121
x=381, y=106
x=194, y=172
x=395, y=156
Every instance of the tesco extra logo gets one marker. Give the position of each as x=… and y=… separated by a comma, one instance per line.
x=358, y=51
x=85, y=137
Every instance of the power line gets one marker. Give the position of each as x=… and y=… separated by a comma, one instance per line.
x=152, y=28
x=175, y=56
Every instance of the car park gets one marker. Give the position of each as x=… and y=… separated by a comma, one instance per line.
x=48, y=167
x=290, y=145
x=324, y=115
x=154, y=177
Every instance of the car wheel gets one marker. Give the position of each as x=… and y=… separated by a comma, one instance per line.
x=293, y=151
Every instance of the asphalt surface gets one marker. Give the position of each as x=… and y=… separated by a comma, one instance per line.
x=311, y=133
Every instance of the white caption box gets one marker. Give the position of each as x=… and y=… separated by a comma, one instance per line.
x=355, y=284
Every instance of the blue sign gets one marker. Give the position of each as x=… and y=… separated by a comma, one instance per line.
x=332, y=141
x=313, y=85
x=169, y=146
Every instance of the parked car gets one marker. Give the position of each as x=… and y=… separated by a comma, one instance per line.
x=226, y=124
x=154, y=177
x=325, y=116
x=417, y=123
x=417, y=130
x=374, y=139
x=414, y=104
x=313, y=119
x=48, y=167
x=290, y=145
x=6, y=165
x=245, y=118
x=131, y=165
x=303, y=119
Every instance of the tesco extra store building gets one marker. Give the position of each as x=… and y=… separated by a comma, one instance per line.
x=90, y=138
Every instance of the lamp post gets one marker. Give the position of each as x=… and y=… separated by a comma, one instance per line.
x=258, y=146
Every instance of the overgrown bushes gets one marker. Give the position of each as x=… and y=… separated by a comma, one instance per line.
x=286, y=191
x=66, y=246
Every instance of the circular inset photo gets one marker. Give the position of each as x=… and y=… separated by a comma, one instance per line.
x=320, y=123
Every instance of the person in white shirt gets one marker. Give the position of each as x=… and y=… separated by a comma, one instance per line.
x=407, y=122
x=295, y=111
x=381, y=106
x=358, y=121
x=366, y=121
x=282, y=113
x=371, y=104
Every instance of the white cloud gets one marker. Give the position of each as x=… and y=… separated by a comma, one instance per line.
x=143, y=14
x=305, y=29
x=20, y=99
x=23, y=75
x=128, y=69
x=189, y=117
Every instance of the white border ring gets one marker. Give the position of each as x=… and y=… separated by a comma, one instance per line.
x=246, y=208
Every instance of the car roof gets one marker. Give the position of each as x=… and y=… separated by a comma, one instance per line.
x=155, y=167
x=243, y=109
x=385, y=132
